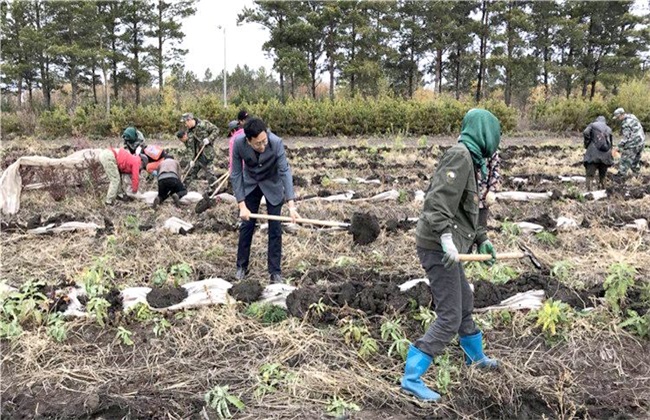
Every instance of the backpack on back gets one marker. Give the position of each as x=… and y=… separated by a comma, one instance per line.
x=600, y=138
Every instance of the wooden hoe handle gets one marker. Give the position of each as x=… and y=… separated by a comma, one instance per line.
x=488, y=257
x=309, y=221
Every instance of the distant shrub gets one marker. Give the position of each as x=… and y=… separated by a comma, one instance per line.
x=55, y=123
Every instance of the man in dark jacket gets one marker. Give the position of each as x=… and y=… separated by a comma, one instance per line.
x=260, y=169
x=447, y=227
x=598, y=153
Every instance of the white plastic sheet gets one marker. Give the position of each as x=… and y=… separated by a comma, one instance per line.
x=596, y=195
x=174, y=225
x=639, y=224
x=65, y=227
x=566, y=224
x=527, y=227
x=522, y=196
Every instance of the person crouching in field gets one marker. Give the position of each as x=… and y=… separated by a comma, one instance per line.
x=598, y=151
x=121, y=161
x=448, y=226
x=169, y=183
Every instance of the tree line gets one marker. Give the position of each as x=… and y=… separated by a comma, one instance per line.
x=463, y=47
x=472, y=48
x=131, y=42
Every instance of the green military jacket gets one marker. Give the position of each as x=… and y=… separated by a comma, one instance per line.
x=202, y=130
x=451, y=204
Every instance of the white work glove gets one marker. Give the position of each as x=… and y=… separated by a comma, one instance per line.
x=191, y=164
x=448, y=247
x=206, y=142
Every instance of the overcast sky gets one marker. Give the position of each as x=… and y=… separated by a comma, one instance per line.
x=205, y=42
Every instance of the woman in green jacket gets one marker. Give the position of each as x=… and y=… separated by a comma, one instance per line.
x=447, y=227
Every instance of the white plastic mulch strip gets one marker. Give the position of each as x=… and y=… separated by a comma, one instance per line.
x=522, y=196
x=65, y=227
x=527, y=227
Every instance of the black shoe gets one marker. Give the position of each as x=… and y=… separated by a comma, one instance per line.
x=156, y=203
x=276, y=279
x=241, y=273
x=177, y=200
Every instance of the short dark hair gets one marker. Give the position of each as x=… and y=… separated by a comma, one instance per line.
x=254, y=127
x=180, y=134
x=242, y=115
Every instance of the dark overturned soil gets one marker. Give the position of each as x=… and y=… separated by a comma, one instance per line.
x=378, y=298
x=114, y=297
x=246, y=291
x=162, y=297
x=375, y=293
x=395, y=225
x=364, y=228
x=488, y=294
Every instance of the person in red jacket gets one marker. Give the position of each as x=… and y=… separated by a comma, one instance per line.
x=121, y=161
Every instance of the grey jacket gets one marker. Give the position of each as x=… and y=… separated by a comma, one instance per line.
x=597, y=133
x=169, y=168
x=270, y=171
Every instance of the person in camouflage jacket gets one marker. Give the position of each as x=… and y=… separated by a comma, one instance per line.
x=632, y=144
x=199, y=133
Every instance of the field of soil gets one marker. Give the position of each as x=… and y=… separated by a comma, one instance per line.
x=321, y=360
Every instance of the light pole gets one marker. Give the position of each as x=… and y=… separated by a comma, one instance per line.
x=225, y=98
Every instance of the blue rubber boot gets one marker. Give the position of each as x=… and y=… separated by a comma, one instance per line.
x=417, y=363
x=472, y=345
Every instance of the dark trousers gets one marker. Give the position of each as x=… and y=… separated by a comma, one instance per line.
x=247, y=228
x=169, y=186
x=591, y=169
x=453, y=303
x=202, y=163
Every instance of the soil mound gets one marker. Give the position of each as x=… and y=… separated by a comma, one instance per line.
x=246, y=291
x=488, y=294
x=373, y=299
x=166, y=296
x=364, y=228
x=395, y=225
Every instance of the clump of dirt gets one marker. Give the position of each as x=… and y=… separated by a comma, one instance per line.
x=34, y=221
x=246, y=291
x=373, y=299
x=162, y=297
x=556, y=195
x=395, y=225
x=488, y=294
x=299, y=181
x=364, y=228
x=333, y=275
x=114, y=297
x=324, y=193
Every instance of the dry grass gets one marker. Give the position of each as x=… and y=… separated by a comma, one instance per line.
x=596, y=367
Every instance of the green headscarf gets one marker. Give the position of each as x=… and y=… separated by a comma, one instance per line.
x=481, y=134
x=130, y=134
